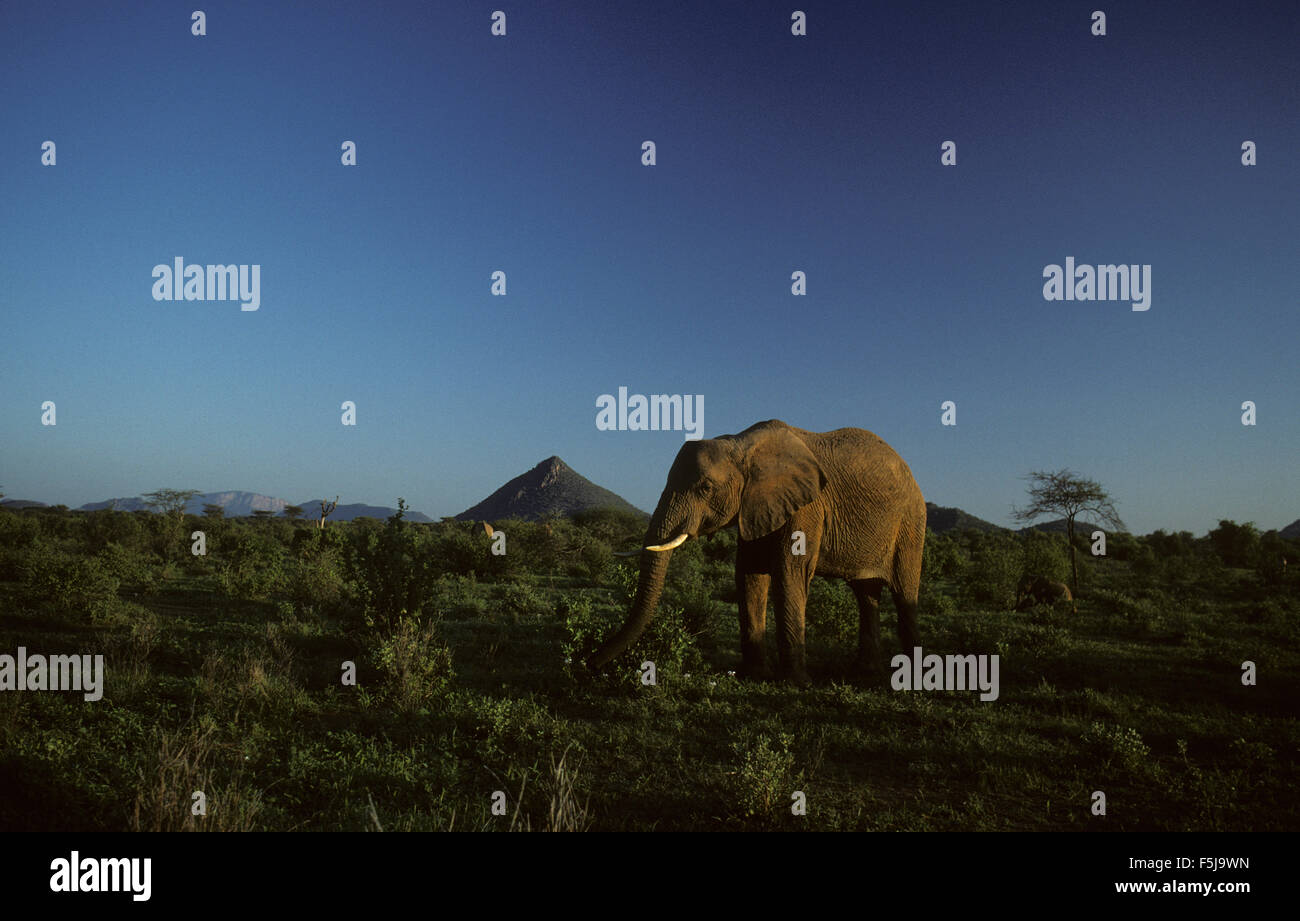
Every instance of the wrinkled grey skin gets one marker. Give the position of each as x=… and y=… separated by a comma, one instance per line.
x=1041, y=590
x=852, y=496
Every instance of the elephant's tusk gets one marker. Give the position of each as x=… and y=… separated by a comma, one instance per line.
x=672, y=544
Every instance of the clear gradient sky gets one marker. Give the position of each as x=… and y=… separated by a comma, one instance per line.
x=775, y=153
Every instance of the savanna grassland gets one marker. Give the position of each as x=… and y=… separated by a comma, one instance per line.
x=223, y=675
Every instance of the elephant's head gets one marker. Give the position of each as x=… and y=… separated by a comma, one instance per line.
x=756, y=479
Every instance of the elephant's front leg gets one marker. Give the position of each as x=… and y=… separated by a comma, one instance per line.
x=790, y=599
x=752, y=588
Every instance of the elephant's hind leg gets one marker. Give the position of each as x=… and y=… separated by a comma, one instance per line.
x=870, y=658
x=909, y=636
x=905, y=587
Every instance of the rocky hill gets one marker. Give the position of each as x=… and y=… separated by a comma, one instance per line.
x=941, y=519
x=550, y=488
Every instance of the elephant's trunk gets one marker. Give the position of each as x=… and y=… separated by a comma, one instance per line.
x=654, y=567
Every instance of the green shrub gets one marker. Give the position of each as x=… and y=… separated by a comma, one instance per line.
x=456, y=550
x=18, y=530
x=765, y=777
x=522, y=600
x=415, y=663
x=114, y=611
x=942, y=558
x=458, y=597
x=1120, y=745
x=591, y=557
x=833, y=611
x=689, y=591
x=936, y=603
x=1144, y=563
x=612, y=526
x=993, y=573
x=316, y=577
x=1273, y=549
x=254, y=567
x=1236, y=544
x=64, y=582
x=1136, y=612
x=720, y=547
x=530, y=547
x=57, y=523
x=1183, y=570
x=1121, y=545
x=132, y=568
x=104, y=526
x=1046, y=555
x=393, y=571
x=584, y=628
x=667, y=641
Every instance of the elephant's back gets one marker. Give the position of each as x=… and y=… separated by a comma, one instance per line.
x=874, y=508
x=858, y=456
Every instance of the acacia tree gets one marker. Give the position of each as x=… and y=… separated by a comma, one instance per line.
x=1064, y=494
x=170, y=501
x=170, y=504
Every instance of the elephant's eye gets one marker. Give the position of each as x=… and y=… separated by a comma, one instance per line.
x=705, y=487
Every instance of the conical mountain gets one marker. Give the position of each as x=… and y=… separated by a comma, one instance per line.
x=550, y=488
x=942, y=519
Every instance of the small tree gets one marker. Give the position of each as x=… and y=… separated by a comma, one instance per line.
x=326, y=509
x=1067, y=495
x=214, y=511
x=394, y=576
x=293, y=512
x=1236, y=544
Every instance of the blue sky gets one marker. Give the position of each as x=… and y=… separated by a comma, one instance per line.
x=775, y=153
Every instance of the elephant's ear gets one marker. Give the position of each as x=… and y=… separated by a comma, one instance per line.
x=781, y=476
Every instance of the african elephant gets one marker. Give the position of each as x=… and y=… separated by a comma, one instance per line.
x=1041, y=590
x=860, y=511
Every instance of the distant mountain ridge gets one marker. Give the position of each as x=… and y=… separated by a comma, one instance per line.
x=557, y=489
x=236, y=503
x=241, y=504
x=550, y=488
x=21, y=503
x=311, y=510
x=1060, y=526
